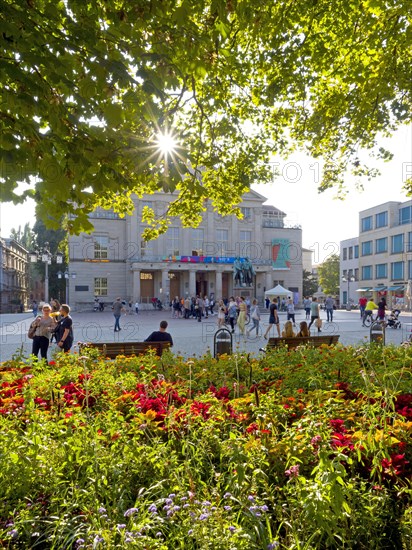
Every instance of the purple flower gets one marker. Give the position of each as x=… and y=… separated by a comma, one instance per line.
x=13, y=533
x=203, y=516
x=172, y=495
x=251, y=498
x=190, y=532
x=102, y=510
x=293, y=471
x=227, y=495
x=227, y=508
x=231, y=528
x=153, y=509
x=264, y=508
x=130, y=512
x=121, y=526
x=272, y=545
x=159, y=534
x=206, y=503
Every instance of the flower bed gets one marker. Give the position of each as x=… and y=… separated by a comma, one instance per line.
x=305, y=449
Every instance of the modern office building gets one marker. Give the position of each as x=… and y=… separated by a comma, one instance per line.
x=385, y=253
x=114, y=261
x=349, y=272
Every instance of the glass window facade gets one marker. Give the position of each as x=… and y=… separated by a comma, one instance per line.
x=356, y=250
x=101, y=246
x=366, y=224
x=397, y=271
x=381, y=271
x=222, y=241
x=381, y=245
x=367, y=248
x=381, y=220
x=172, y=240
x=405, y=215
x=397, y=244
x=366, y=272
x=100, y=286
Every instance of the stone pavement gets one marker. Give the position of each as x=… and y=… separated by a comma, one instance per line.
x=191, y=338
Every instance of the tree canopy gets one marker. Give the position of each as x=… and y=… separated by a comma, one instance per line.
x=88, y=85
x=328, y=274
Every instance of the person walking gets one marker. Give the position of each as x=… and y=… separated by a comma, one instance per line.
x=273, y=318
x=362, y=305
x=160, y=335
x=136, y=307
x=315, y=314
x=290, y=309
x=64, y=329
x=221, y=314
x=255, y=316
x=35, y=307
x=329, y=305
x=117, y=308
x=241, y=320
x=232, y=313
x=45, y=325
x=381, y=309
x=306, y=306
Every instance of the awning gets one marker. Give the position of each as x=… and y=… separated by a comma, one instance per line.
x=378, y=288
x=363, y=289
x=396, y=287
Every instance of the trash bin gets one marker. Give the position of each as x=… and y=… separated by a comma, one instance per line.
x=222, y=342
x=377, y=333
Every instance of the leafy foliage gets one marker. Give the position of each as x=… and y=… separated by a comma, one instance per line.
x=86, y=87
x=328, y=273
x=144, y=452
x=310, y=284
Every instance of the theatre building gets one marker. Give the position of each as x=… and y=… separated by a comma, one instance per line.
x=114, y=261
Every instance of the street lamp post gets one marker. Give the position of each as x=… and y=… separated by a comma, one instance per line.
x=46, y=256
x=348, y=280
x=67, y=275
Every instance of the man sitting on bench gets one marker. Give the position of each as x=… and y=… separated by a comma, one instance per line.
x=160, y=335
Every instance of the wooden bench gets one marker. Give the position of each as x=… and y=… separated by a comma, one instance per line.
x=113, y=349
x=314, y=341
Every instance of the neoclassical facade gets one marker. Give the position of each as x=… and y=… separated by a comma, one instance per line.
x=114, y=261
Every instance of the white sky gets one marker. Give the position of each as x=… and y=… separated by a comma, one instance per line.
x=325, y=221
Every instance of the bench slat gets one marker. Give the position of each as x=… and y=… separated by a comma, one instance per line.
x=294, y=342
x=113, y=349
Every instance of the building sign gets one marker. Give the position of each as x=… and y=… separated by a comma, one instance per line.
x=280, y=254
x=201, y=259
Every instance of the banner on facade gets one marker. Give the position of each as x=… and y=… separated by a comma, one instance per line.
x=201, y=259
x=280, y=254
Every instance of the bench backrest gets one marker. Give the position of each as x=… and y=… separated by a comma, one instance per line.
x=296, y=341
x=113, y=349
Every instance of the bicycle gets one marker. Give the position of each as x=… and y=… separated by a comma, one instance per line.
x=369, y=319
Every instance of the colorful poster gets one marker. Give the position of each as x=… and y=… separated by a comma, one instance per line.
x=280, y=254
x=201, y=259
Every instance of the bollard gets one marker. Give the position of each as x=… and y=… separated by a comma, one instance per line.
x=377, y=333
x=222, y=342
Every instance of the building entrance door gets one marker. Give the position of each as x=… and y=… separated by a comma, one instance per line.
x=201, y=284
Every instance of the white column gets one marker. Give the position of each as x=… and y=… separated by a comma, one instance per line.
x=136, y=284
x=218, y=286
x=192, y=282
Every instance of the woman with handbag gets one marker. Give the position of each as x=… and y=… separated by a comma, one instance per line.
x=315, y=314
x=44, y=326
x=255, y=316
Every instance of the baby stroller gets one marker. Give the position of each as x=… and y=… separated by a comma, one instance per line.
x=392, y=320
